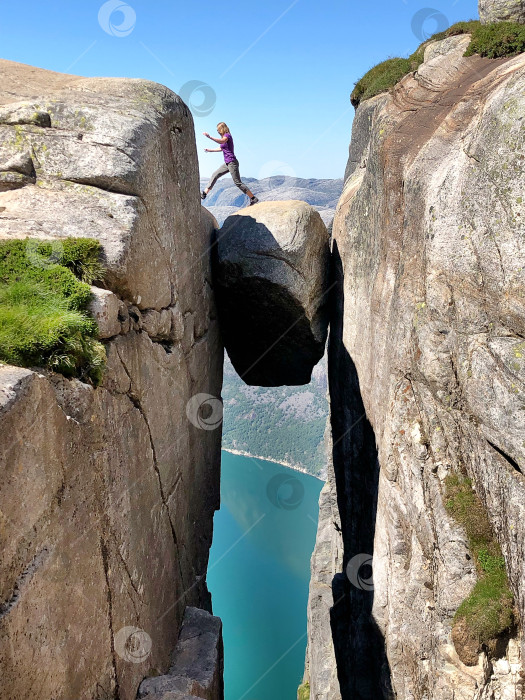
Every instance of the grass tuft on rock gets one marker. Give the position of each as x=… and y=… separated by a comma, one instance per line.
x=44, y=295
x=488, y=612
x=494, y=40
x=385, y=75
x=497, y=40
x=303, y=692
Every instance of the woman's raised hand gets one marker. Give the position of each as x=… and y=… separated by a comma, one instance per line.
x=205, y=133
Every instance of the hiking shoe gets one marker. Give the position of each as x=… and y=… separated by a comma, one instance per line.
x=203, y=194
x=253, y=200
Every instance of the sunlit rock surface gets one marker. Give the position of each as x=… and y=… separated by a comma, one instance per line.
x=501, y=11
x=197, y=665
x=107, y=495
x=426, y=373
x=272, y=275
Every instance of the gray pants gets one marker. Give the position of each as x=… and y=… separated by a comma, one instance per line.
x=233, y=168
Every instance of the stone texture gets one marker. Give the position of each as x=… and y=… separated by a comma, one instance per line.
x=327, y=560
x=20, y=163
x=105, y=308
x=157, y=324
x=107, y=495
x=501, y=11
x=272, y=281
x=426, y=370
x=105, y=152
x=438, y=71
x=197, y=664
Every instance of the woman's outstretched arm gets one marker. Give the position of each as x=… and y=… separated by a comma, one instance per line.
x=212, y=150
x=221, y=140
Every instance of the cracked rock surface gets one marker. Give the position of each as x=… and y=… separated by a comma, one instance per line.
x=107, y=495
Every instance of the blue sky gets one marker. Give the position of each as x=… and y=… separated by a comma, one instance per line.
x=279, y=72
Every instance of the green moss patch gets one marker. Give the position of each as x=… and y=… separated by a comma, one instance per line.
x=44, y=295
x=303, y=692
x=488, y=612
x=495, y=40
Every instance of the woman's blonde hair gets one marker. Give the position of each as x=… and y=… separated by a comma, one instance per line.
x=223, y=128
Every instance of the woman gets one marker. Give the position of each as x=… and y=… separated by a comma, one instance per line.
x=231, y=163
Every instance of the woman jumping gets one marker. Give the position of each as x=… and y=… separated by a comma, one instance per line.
x=231, y=163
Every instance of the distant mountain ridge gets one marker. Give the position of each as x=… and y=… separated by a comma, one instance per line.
x=225, y=198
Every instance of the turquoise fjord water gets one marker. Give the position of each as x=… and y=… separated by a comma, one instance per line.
x=258, y=575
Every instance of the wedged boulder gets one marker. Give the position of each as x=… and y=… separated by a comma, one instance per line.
x=272, y=277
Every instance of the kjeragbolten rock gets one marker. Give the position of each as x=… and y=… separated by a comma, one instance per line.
x=272, y=272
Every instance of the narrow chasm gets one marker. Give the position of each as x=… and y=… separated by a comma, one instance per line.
x=274, y=451
x=359, y=646
x=332, y=510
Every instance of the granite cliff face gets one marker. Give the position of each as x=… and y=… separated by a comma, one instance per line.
x=426, y=379
x=326, y=562
x=107, y=495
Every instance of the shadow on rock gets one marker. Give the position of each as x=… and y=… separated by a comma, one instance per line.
x=363, y=669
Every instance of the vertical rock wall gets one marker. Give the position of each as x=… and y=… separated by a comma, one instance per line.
x=107, y=496
x=326, y=562
x=428, y=332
